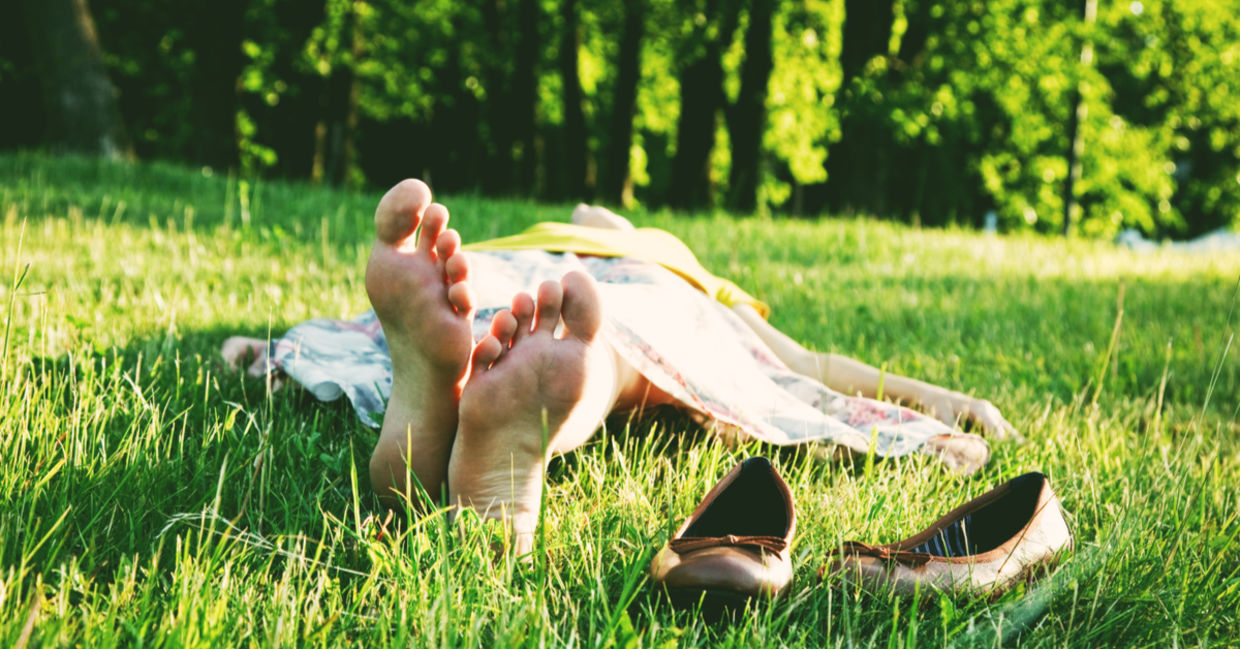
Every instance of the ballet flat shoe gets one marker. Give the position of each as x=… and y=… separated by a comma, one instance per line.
x=734, y=547
x=983, y=546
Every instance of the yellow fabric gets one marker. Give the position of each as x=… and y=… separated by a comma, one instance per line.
x=649, y=244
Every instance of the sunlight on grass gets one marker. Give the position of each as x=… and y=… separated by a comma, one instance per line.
x=155, y=497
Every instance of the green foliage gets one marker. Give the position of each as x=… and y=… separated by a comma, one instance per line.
x=151, y=62
x=802, y=91
x=963, y=109
x=1175, y=71
x=995, y=86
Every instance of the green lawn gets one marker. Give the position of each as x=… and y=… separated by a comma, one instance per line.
x=151, y=497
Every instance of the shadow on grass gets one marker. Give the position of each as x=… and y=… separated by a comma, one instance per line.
x=141, y=434
x=148, y=433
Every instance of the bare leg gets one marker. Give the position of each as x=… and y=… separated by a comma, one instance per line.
x=531, y=394
x=850, y=376
x=417, y=286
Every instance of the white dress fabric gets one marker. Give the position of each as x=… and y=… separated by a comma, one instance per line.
x=685, y=343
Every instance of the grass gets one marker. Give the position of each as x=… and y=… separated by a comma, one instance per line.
x=149, y=496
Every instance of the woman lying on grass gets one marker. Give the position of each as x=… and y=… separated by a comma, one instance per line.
x=495, y=356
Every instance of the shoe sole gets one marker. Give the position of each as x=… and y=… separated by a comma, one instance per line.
x=1029, y=575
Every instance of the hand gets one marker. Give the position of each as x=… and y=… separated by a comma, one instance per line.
x=952, y=407
x=239, y=351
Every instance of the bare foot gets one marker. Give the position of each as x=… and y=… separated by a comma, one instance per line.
x=530, y=394
x=417, y=286
x=240, y=351
x=595, y=216
x=251, y=352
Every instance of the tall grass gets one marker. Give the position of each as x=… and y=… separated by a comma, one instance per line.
x=153, y=497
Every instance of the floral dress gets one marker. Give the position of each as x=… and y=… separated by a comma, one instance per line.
x=684, y=342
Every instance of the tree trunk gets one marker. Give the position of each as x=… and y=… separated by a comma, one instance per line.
x=524, y=108
x=334, y=151
x=80, y=100
x=921, y=23
x=454, y=146
x=576, y=154
x=867, y=33
x=498, y=135
x=695, y=133
x=216, y=40
x=918, y=206
x=748, y=116
x=701, y=98
x=1076, y=139
x=617, y=183
x=22, y=123
x=855, y=178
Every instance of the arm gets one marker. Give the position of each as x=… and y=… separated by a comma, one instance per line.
x=850, y=376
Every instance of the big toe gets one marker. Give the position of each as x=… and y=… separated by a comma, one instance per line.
x=400, y=210
x=582, y=309
x=486, y=352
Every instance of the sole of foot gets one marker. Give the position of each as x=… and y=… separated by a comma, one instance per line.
x=532, y=391
x=417, y=282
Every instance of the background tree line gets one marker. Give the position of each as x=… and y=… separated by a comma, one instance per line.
x=1116, y=114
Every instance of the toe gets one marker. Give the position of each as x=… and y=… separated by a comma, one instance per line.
x=485, y=352
x=448, y=243
x=547, y=313
x=523, y=311
x=400, y=210
x=582, y=309
x=461, y=295
x=504, y=327
x=433, y=223
x=456, y=266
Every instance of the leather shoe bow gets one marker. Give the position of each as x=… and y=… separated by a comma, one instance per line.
x=983, y=546
x=734, y=546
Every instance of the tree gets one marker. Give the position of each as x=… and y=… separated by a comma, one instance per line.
x=747, y=118
x=801, y=120
x=79, y=98
x=926, y=111
x=1172, y=67
x=512, y=96
x=21, y=122
x=334, y=149
x=216, y=41
x=617, y=181
x=701, y=99
x=1076, y=140
x=867, y=33
x=856, y=165
x=576, y=153
x=284, y=82
x=524, y=107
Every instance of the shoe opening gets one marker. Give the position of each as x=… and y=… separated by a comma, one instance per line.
x=753, y=505
x=988, y=527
